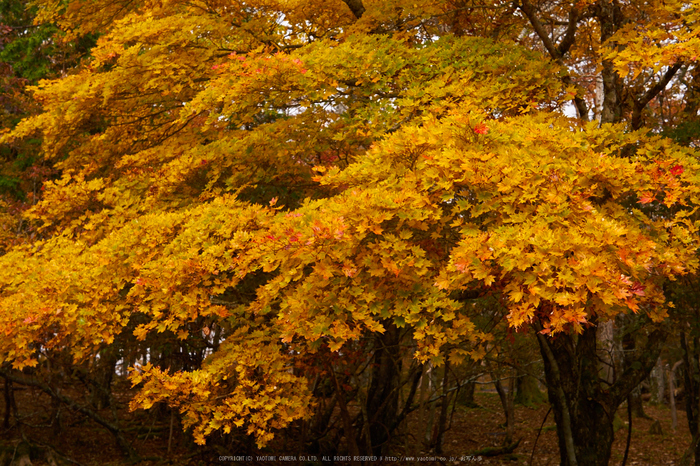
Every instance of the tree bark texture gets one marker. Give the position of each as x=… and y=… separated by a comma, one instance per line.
x=584, y=405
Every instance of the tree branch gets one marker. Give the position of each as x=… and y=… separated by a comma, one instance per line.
x=638, y=368
x=570, y=35
x=557, y=52
x=529, y=10
x=356, y=6
x=651, y=93
x=33, y=382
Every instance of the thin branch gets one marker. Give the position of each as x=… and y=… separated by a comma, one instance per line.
x=532, y=455
x=661, y=85
x=529, y=10
x=33, y=382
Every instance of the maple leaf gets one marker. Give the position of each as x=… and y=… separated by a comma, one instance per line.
x=677, y=170
x=646, y=198
x=638, y=289
x=481, y=128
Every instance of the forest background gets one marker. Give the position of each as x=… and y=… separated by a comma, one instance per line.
x=307, y=223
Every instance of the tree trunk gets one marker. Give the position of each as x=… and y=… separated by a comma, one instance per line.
x=10, y=404
x=101, y=390
x=350, y=436
x=691, y=376
x=506, y=396
x=383, y=394
x=628, y=329
x=584, y=420
x=637, y=405
x=583, y=406
x=672, y=395
x=465, y=397
x=657, y=383
x=610, y=20
x=609, y=354
x=444, y=408
x=424, y=396
x=527, y=391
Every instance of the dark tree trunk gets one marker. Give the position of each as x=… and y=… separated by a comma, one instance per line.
x=383, y=394
x=345, y=415
x=527, y=391
x=10, y=404
x=101, y=389
x=465, y=396
x=628, y=329
x=581, y=408
x=691, y=382
x=444, y=408
x=584, y=407
x=637, y=405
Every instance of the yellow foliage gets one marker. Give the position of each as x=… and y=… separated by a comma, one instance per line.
x=301, y=184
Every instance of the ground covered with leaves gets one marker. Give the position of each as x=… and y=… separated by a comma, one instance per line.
x=475, y=429
x=475, y=433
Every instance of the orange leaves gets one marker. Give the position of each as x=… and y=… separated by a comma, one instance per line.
x=349, y=270
x=520, y=314
x=671, y=27
x=443, y=283
x=665, y=178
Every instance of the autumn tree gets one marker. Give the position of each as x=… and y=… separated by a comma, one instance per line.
x=631, y=63
x=256, y=197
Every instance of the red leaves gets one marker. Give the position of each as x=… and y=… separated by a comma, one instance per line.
x=481, y=128
x=638, y=289
x=664, y=182
x=677, y=170
x=300, y=65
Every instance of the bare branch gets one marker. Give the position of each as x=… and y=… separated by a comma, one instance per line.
x=570, y=35
x=529, y=10
x=651, y=93
x=33, y=382
x=557, y=52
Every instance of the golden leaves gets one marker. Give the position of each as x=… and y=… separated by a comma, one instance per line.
x=182, y=203
x=269, y=400
x=546, y=238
